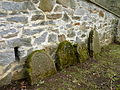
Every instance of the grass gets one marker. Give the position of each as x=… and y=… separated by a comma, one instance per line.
x=102, y=73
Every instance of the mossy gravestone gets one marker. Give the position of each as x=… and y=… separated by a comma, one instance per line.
x=39, y=66
x=93, y=43
x=82, y=50
x=65, y=55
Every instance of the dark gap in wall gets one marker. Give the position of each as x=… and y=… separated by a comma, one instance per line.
x=90, y=41
x=17, y=54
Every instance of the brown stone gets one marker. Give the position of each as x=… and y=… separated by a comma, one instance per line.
x=38, y=17
x=61, y=38
x=46, y=5
x=101, y=14
x=54, y=16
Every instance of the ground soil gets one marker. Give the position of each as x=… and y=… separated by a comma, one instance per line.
x=100, y=73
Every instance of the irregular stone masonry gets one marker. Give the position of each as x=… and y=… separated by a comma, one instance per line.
x=33, y=24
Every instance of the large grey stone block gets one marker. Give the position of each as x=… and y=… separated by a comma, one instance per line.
x=41, y=39
x=52, y=38
x=17, y=6
x=4, y=32
x=18, y=19
x=7, y=57
x=32, y=32
x=19, y=42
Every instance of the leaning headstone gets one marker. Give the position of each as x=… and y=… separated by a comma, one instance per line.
x=82, y=50
x=65, y=55
x=93, y=43
x=39, y=65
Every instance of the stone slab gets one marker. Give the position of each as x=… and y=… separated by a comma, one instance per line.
x=39, y=66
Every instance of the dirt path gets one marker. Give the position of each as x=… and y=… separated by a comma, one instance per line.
x=100, y=74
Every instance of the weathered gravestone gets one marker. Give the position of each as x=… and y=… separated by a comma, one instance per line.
x=39, y=66
x=93, y=43
x=82, y=50
x=65, y=55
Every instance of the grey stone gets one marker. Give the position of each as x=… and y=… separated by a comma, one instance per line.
x=18, y=19
x=81, y=11
x=40, y=66
x=41, y=23
x=32, y=32
x=2, y=25
x=5, y=32
x=66, y=18
x=2, y=45
x=78, y=40
x=7, y=57
x=41, y=39
x=46, y=5
x=10, y=35
x=29, y=5
x=68, y=25
x=17, y=42
x=17, y=6
x=52, y=38
x=71, y=33
x=3, y=14
x=58, y=8
x=67, y=3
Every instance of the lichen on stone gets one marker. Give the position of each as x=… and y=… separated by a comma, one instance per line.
x=82, y=50
x=39, y=65
x=65, y=55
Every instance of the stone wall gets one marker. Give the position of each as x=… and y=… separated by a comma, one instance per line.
x=28, y=25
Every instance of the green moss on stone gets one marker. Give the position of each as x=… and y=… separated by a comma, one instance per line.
x=83, y=52
x=65, y=55
x=39, y=65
